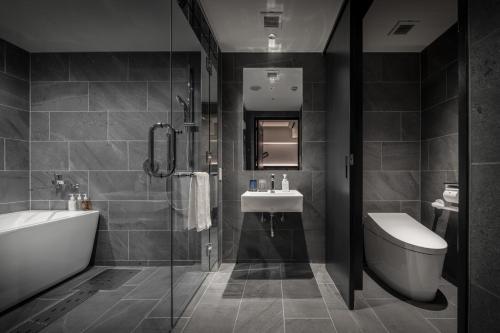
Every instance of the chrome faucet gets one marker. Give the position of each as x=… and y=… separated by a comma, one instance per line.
x=272, y=183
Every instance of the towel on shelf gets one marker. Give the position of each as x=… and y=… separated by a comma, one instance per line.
x=199, y=202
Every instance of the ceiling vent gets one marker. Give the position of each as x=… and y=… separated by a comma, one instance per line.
x=402, y=27
x=272, y=19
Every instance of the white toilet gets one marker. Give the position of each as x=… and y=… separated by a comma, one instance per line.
x=404, y=254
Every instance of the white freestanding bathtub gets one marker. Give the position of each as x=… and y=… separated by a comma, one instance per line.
x=40, y=248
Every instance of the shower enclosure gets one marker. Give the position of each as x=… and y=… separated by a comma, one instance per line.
x=122, y=97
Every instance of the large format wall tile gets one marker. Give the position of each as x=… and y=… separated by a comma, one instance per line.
x=59, y=96
x=391, y=185
x=98, y=66
x=397, y=96
x=16, y=155
x=49, y=156
x=135, y=215
x=49, y=67
x=118, y=185
x=133, y=125
x=400, y=155
x=118, y=96
x=14, y=92
x=17, y=183
x=381, y=126
x=14, y=124
x=17, y=61
x=100, y=155
x=78, y=126
x=150, y=66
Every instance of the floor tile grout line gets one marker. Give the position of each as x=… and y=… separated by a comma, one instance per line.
x=376, y=316
x=140, y=284
x=241, y=301
x=326, y=306
x=198, y=303
x=430, y=324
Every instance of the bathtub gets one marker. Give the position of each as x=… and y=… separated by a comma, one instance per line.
x=40, y=248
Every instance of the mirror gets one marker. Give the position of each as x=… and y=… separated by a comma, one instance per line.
x=272, y=105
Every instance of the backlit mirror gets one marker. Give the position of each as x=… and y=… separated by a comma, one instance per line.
x=272, y=105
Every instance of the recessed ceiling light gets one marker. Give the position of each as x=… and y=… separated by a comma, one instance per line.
x=271, y=41
x=255, y=88
x=294, y=88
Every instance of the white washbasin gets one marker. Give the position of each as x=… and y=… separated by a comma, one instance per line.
x=267, y=202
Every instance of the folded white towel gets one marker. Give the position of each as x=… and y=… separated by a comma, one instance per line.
x=199, y=202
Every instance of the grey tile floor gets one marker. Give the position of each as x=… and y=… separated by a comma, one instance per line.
x=238, y=298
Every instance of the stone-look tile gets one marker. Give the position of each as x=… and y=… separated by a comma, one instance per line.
x=483, y=305
x=372, y=156
x=98, y=155
x=17, y=61
x=398, y=317
x=117, y=185
x=235, y=277
x=133, y=215
x=19, y=314
x=309, y=325
x=16, y=155
x=443, y=153
x=380, y=207
x=14, y=124
x=133, y=125
x=111, y=245
x=381, y=126
x=436, y=120
x=227, y=67
x=49, y=67
x=434, y=89
x=305, y=308
x=149, y=245
x=98, y=66
x=89, y=311
x=260, y=316
x=232, y=97
x=424, y=155
x=372, y=289
x=159, y=96
x=2, y=55
x=14, y=92
x=411, y=208
x=138, y=153
x=483, y=228
x=42, y=189
x=441, y=52
x=78, y=126
x=400, y=156
x=232, y=123
x=393, y=96
x=313, y=156
x=154, y=287
x=123, y=317
x=40, y=126
x=410, y=126
x=59, y=96
x=301, y=289
x=262, y=289
x=49, y=156
x=103, y=208
x=400, y=67
x=10, y=207
x=432, y=185
x=202, y=320
x=452, y=80
x=307, y=96
x=444, y=325
x=319, y=97
x=2, y=154
x=313, y=126
x=118, y=96
x=391, y=185
x=372, y=66
x=149, y=66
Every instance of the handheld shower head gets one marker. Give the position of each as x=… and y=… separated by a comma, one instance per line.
x=181, y=102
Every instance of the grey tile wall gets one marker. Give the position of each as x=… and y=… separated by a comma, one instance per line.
x=14, y=128
x=301, y=236
x=391, y=133
x=439, y=145
x=90, y=114
x=484, y=118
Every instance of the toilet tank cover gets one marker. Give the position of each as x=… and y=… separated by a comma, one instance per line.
x=404, y=231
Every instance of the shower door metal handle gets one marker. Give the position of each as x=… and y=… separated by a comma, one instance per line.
x=151, y=167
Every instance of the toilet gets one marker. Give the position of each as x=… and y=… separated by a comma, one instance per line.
x=405, y=254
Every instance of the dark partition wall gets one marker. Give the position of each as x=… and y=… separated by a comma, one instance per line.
x=343, y=190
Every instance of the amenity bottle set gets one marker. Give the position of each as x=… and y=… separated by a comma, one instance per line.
x=262, y=184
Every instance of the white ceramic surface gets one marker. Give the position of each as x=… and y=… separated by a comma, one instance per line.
x=41, y=248
x=267, y=202
x=415, y=274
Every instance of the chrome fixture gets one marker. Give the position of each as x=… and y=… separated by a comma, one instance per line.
x=272, y=183
x=150, y=166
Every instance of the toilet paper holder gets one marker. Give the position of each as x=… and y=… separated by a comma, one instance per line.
x=450, y=195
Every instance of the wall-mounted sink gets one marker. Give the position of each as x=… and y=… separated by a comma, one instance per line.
x=272, y=202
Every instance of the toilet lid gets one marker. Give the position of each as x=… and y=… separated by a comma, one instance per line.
x=406, y=232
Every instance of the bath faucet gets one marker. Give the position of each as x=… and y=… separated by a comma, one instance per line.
x=272, y=183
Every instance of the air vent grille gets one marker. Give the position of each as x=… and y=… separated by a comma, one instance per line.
x=402, y=27
x=271, y=21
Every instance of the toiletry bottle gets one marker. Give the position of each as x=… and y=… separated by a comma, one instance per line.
x=79, y=202
x=285, y=186
x=71, y=202
x=86, y=204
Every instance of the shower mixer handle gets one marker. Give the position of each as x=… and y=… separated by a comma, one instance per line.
x=151, y=167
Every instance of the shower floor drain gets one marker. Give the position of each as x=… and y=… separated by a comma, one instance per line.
x=110, y=279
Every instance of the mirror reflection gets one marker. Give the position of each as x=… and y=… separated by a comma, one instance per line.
x=272, y=105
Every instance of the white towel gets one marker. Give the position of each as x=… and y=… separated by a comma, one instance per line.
x=199, y=202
